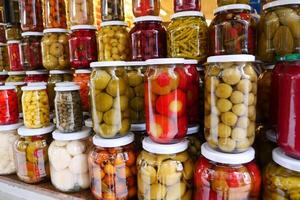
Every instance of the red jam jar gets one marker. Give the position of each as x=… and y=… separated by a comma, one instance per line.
x=166, y=86
x=15, y=55
x=36, y=76
x=32, y=50
x=187, y=5
x=9, y=113
x=31, y=16
x=289, y=106
x=82, y=78
x=3, y=76
x=83, y=46
x=148, y=38
x=226, y=176
x=145, y=7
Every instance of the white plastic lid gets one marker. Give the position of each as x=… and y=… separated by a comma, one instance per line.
x=89, y=123
x=65, y=84
x=83, y=71
x=11, y=127
x=285, y=161
x=280, y=3
x=7, y=87
x=147, y=18
x=231, y=58
x=32, y=34
x=232, y=7
x=59, y=72
x=33, y=87
x=13, y=73
x=187, y=14
x=190, y=62
x=153, y=147
x=67, y=88
x=227, y=158
x=115, y=142
x=165, y=61
x=23, y=131
x=56, y=30
x=108, y=64
x=3, y=73
x=13, y=41
x=3, y=44
x=37, y=84
x=271, y=135
x=15, y=83
x=84, y=133
x=114, y=23
x=78, y=27
x=36, y=72
x=136, y=63
x=138, y=127
x=192, y=130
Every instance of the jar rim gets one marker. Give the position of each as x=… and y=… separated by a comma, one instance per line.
x=15, y=83
x=187, y=14
x=113, y=142
x=271, y=136
x=138, y=127
x=192, y=130
x=190, y=62
x=13, y=41
x=23, y=131
x=83, y=71
x=11, y=127
x=3, y=73
x=67, y=88
x=59, y=72
x=33, y=87
x=232, y=7
x=157, y=148
x=16, y=73
x=65, y=84
x=147, y=19
x=37, y=84
x=7, y=87
x=55, y=30
x=227, y=158
x=88, y=123
x=108, y=64
x=83, y=133
x=80, y=27
x=280, y=3
x=32, y=34
x=36, y=72
x=113, y=23
x=285, y=161
x=231, y=58
x=136, y=63
x=165, y=61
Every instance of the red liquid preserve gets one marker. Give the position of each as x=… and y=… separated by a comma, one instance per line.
x=15, y=55
x=36, y=76
x=31, y=16
x=145, y=7
x=9, y=113
x=187, y=5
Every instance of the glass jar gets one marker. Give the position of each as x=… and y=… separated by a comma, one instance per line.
x=55, y=14
x=31, y=50
x=68, y=157
x=166, y=100
x=17, y=76
x=188, y=36
x=282, y=177
x=2, y=32
x=55, y=49
x=83, y=46
x=164, y=171
x=109, y=99
x=31, y=16
x=3, y=76
x=11, y=11
x=193, y=136
x=112, y=10
x=9, y=113
x=186, y=5
x=8, y=137
x=228, y=2
x=35, y=106
x=36, y=76
x=230, y=105
x=4, y=60
x=81, y=12
x=113, y=41
x=144, y=8
x=18, y=86
x=232, y=31
x=15, y=55
x=31, y=154
x=279, y=30
x=68, y=112
x=226, y=176
x=82, y=78
x=112, y=168
x=13, y=32
x=135, y=72
x=148, y=38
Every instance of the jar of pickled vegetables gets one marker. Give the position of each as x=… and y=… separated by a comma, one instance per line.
x=83, y=46
x=109, y=99
x=226, y=176
x=148, y=38
x=15, y=55
x=55, y=14
x=68, y=110
x=188, y=36
x=187, y=5
x=31, y=16
x=279, y=30
x=165, y=171
x=55, y=49
x=13, y=32
x=31, y=154
x=35, y=106
x=112, y=10
x=232, y=31
x=194, y=138
x=4, y=61
x=3, y=76
x=144, y=8
x=230, y=102
x=228, y=2
x=166, y=86
x=8, y=137
x=2, y=33
x=81, y=12
x=36, y=76
x=16, y=76
x=18, y=86
x=112, y=164
x=9, y=113
x=113, y=41
x=68, y=157
x=82, y=78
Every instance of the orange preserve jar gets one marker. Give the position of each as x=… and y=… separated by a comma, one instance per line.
x=55, y=14
x=112, y=168
x=82, y=78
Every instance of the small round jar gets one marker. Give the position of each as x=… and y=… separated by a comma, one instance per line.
x=109, y=99
x=55, y=14
x=112, y=164
x=112, y=10
x=35, y=104
x=18, y=86
x=81, y=12
x=16, y=76
x=164, y=171
x=166, y=100
x=148, y=38
x=193, y=136
x=8, y=137
x=4, y=60
x=230, y=102
x=188, y=36
x=9, y=113
x=3, y=77
x=83, y=46
x=186, y=5
x=68, y=112
x=55, y=49
x=15, y=55
x=232, y=31
x=113, y=41
x=228, y=2
x=31, y=16
x=144, y=8
x=36, y=76
x=68, y=157
x=31, y=154
x=82, y=78
x=13, y=32
x=226, y=176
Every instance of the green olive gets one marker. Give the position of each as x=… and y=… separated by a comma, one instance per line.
x=112, y=117
x=116, y=87
x=134, y=79
x=125, y=126
x=108, y=131
x=137, y=103
x=103, y=102
x=139, y=90
x=121, y=102
x=101, y=80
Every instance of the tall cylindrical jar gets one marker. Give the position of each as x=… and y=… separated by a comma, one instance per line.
x=81, y=12
x=15, y=55
x=55, y=14
x=112, y=10
x=4, y=59
x=143, y=8
x=31, y=15
x=82, y=78
x=9, y=113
